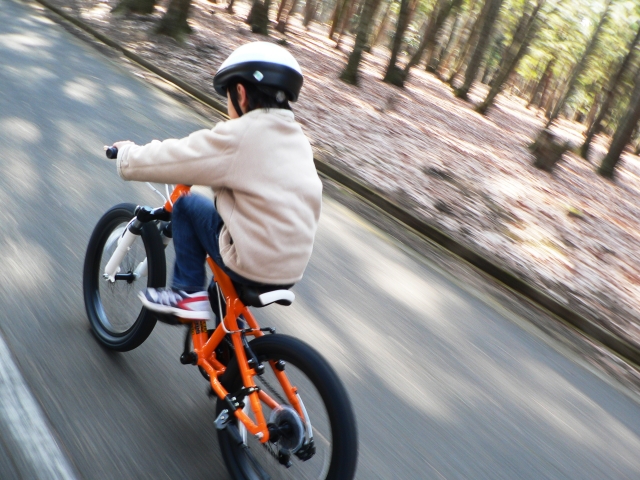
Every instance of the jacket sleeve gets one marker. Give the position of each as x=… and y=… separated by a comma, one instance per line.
x=202, y=158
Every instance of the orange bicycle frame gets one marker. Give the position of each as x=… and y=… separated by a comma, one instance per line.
x=204, y=347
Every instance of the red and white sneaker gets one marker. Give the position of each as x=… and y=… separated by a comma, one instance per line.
x=191, y=306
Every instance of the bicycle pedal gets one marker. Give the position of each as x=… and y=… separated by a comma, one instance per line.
x=307, y=451
x=285, y=459
x=189, y=358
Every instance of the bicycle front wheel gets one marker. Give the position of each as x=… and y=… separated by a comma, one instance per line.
x=329, y=421
x=115, y=312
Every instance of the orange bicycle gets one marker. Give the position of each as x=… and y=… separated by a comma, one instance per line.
x=282, y=411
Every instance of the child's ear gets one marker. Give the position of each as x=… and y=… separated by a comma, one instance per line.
x=242, y=98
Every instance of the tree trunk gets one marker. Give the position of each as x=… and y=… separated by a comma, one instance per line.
x=593, y=111
x=350, y=73
x=487, y=18
x=450, y=50
x=487, y=75
x=459, y=63
x=443, y=47
x=174, y=22
x=283, y=3
x=531, y=86
x=383, y=24
x=433, y=24
x=623, y=134
x=519, y=84
x=524, y=34
x=578, y=68
x=338, y=13
x=310, y=12
x=547, y=150
x=135, y=6
x=249, y=18
x=538, y=91
x=447, y=31
x=470, y=41
x=553, y=94
x=430, y=48
x=547, y=92
x=609, y=94
x=394, y=74
x=259, y=17
x=282, y=24
x=527, y=90
x=554, y=97
x=635, y=142
x=353, y=6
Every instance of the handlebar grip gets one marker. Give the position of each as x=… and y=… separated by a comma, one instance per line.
x=111, y=152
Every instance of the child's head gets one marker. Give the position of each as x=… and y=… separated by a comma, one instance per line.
x=258, y=75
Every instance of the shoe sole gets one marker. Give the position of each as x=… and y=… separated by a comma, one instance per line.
x=178, y=312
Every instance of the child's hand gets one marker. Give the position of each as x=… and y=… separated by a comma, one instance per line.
x=122, y=143
x=112, y=151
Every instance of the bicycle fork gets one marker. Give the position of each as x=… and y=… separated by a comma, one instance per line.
x=131, y=232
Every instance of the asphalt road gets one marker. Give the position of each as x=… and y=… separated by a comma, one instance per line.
x=445, y=384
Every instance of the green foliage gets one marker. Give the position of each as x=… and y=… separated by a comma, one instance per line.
x=563, y=31
x=568, y=27
x=415, y=29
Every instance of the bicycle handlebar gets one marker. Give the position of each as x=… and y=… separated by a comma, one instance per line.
x=111, y=152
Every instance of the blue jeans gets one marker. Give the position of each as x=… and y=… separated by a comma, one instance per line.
x=196, y=227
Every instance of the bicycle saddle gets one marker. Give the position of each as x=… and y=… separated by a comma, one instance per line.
x=263, y=295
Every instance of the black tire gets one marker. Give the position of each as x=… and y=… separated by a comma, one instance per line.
x=326, y=401
x=115, y=313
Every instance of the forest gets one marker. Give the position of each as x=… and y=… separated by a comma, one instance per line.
x=571, y=58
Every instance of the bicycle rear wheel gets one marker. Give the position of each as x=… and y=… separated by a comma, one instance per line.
x=115, y=313
x=328, y=410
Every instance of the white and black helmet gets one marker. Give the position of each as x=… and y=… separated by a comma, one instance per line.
x=261, y=63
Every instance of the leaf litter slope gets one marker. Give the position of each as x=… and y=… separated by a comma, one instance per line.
x=573, y=234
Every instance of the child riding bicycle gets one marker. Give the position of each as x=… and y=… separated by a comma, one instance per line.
x=259, y=164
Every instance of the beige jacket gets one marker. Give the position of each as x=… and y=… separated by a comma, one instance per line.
x=260, y=167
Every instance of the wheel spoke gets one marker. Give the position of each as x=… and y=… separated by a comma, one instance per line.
x=114, y=310
x=119, y=299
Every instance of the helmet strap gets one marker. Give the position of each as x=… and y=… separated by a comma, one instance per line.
x=233, y=94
